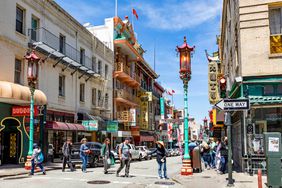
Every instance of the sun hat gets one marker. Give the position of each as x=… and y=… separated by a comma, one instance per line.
x=161, y=143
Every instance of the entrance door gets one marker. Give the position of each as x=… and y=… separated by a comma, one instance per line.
x=10, y=147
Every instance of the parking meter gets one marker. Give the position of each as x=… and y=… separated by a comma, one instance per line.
x=273, y=153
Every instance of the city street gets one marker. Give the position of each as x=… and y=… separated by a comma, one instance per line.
x=142, y=174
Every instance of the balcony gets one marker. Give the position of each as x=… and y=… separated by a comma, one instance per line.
x=125, y=75
x=55, y=47
x=124, y=97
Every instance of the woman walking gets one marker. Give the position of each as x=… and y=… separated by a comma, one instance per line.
x=84, y=152
x=161, y=159
x=105, y=153
x=37, y=159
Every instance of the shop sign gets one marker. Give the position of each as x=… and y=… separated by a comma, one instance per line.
x=212, y=82
x=23, y=111
x=132, y=119
x=90, y=125
x=150, y=96
x=162, y=107
x=112, y=126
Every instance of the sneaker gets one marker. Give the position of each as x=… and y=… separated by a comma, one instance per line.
x=126, y=175
x=166, y=178
x=160, y=177
x=44, y=173
x=30, y=174
x=106, y=172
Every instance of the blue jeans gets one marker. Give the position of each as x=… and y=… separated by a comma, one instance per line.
x=84, y=162
x=223, y=162
x=213, y=159
x=33, y=166
x=207, y=159
x=160, y=169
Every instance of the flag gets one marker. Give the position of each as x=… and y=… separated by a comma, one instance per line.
x=170, y=91
x=135, y=13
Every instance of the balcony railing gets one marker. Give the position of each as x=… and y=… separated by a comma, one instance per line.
x=120, y=93
x=43, y=36
x=121, y=66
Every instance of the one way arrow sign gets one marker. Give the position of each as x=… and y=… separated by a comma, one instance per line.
x=233, y=104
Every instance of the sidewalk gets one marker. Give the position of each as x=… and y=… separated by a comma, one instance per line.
x=14, y=170
x=211, y=179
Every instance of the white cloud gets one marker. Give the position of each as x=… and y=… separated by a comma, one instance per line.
x=179, y=16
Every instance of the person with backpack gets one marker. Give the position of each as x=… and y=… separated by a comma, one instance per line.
x=84, y=152
x=124, y=156
x=67, y=155
x=37, y=159
x=161, y=159
x=105, y=153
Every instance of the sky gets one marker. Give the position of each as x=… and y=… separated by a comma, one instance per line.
x=163, y=24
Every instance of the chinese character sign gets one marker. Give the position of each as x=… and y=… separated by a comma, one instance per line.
x=212, y=81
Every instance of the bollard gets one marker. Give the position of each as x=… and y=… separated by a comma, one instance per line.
x=259, y=178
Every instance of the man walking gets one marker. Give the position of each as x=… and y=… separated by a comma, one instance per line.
x=105, y=153
x=125, y=157
x=67, y=155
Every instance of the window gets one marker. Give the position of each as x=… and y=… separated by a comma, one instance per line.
x=82, y=56
x=61, y=85
x=99, y=98
x=34, y=27
x=100, y=67
x=106, y=100
x=18, y=71
x=94, y=65
x=20, y=20
x=106, y=71
x=279, y=89
x=268, y=90
x=81, y=92
x=62, y=44
x=275, y=30
x=94, y=96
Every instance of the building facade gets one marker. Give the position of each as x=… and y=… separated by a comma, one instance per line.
x=133, y=81
x=250, y=51
x=75, y=75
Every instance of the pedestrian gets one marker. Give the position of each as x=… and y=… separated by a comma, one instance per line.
x=84, y=152
x=161, y=159
x=105, y=153
x=67, y=148
x=37, y=159
x=124, y=156
x=206, y=154
x=224, y=156
x=217, y=155
x=212, y=152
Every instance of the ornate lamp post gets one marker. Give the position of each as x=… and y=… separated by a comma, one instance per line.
x=32, y=77
x=185, y=75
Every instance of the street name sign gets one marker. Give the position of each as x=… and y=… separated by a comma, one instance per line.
x=233, y=104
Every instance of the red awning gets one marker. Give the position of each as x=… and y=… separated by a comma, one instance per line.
x=147, y=139
x=57, y=125
x=78, y=127
x=71, y=126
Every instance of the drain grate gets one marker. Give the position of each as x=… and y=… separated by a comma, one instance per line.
x=16, y=178
x=164, y=183
x=98, y=182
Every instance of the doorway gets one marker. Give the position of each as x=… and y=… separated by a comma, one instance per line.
x=11, y=142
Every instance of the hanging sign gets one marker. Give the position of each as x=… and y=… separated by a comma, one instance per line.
x=90, y=125
x=162, y=108
x=23, y=111
x=112, y=126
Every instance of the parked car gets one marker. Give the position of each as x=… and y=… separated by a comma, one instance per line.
x=114, y=153
x=177, y=152
x=144, y=152
x=94, y=158
x=154, y=154
x=168, y=153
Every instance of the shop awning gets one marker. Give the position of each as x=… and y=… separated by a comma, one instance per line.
x=147, y=139
x=55, y=125
x=256, y=100
x=17, y=94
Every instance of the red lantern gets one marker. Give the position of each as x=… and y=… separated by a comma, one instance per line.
x=185, y=59
x=32, y=68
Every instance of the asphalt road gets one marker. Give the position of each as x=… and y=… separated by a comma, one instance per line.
x=142, y=174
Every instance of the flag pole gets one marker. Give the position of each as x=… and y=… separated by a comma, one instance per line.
x=132, y=19
x=116, y=8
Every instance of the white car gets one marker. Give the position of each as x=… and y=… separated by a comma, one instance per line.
x=144, y=152
x=135, y=153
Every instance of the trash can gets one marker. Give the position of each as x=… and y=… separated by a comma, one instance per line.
x=196, y=160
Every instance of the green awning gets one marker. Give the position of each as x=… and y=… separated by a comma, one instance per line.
x=265, y=99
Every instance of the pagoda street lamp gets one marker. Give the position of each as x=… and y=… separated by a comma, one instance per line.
x=185, y=75
x=32, y=77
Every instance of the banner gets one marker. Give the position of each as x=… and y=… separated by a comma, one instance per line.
x=132, y=117
x=162, y=108
x=90, y=125
x=112, y=126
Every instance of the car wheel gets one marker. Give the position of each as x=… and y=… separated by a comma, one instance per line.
x=140, y=158
x=94, y=162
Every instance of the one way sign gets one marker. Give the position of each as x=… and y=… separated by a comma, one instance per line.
x=233, y=104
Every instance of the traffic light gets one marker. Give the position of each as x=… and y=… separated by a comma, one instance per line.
x=222, y=87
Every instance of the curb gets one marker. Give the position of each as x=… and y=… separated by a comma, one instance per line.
x=27, y=171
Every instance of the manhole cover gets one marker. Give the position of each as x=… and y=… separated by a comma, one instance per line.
x=98, y=182
x=164, y=183
x=15, y=178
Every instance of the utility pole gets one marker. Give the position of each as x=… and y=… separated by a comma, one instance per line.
x=229, y=124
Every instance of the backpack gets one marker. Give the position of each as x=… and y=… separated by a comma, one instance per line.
x=40, y=157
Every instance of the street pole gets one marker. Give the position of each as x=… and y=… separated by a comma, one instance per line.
x=186, y=168
x=228, y=124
